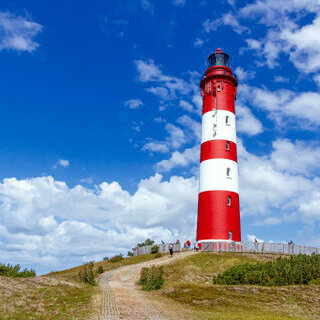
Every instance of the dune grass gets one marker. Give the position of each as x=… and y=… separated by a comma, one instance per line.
x=56, y=296
x=189, y=282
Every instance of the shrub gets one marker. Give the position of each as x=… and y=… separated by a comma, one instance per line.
x=14, y=271
x=100, y=270
x=299, y=269
x=147, y=242
x=154, y=249
x=151, y=278
x=130, y=254
x=105, y=259
x=158, y=255
x=116, y=258
x=86, y=274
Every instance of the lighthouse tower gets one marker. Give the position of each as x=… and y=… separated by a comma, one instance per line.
x=218, y=206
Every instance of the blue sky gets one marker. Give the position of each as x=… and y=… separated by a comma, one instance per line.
x=100, y=122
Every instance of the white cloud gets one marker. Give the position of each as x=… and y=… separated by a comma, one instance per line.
x=62, y=163
x=170, y=86
x=174, y=141
x=198, y=42
x=247, y=122
x=18, y=33
x=285, y=106
x=227, y=19
x=281, y=79
x=43, y=220
x=244, y=75
x=252, y=238
x=186, y=105
x=180, y=159
x=133, y=103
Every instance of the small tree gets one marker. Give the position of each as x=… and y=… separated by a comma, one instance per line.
x=130, y=254
x=100, y=270
x=154, y=249
x=86, y=274
x=151, y=278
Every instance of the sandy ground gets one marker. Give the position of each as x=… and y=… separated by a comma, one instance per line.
x=123, y=299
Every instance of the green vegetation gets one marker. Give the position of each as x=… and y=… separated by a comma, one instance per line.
x=116, y=258
x=154, y=249
x=44, y=298
x=189, y=282
x=15, y=271
x=299, y=269
x=147, y=242
x=100, y=270
x=157, y=255
x=151, y=278
x=86, y=274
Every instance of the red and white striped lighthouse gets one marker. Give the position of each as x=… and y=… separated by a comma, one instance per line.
x=218, y=206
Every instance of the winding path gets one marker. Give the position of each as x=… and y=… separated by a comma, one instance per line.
x=123, y=299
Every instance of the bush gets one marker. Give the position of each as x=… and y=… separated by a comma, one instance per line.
x=100, y=270
x=154, y=249
x=14, y=271
x=116, y=258
x=130, y=254
x=151, y=278
x=299, y=269
x=157, y=255
x=147, y=242
x=105, y=259
x=86, y=274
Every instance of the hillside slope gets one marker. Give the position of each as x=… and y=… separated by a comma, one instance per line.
x=189, y=283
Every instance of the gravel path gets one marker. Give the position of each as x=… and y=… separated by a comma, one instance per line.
x=123, y=300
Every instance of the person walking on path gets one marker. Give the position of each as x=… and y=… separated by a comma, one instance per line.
x=171, y=250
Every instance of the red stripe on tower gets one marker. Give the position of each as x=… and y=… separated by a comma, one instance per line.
x=218, y=205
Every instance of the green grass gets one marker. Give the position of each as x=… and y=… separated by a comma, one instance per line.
x=73, y=273
x=189, y=282
x=56, y=296
x=44, y=299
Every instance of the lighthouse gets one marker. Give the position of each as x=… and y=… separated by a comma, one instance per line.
x=218, y=201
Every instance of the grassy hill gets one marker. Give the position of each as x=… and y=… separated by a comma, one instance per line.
x=189, y=283
x=57, y=296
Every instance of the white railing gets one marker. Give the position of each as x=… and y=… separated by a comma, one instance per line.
x=163, y=247
x=257, y=247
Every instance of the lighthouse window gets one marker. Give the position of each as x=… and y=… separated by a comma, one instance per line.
x=227, y=120
x=218, y=87
x=228, y=172
x=229, y=201
x=227, y=145
x=230, y=235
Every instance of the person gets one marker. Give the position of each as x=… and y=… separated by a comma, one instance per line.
x=162, y=242
x=178, y=241
x=196, y=247
x=255, y=240
x=171, y=250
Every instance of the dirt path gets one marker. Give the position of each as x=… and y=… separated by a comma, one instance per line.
x=122, y=299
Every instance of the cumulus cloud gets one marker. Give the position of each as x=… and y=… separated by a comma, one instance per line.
x=180, y=159
x=133, y=103
x=18, y=33
x=285, y=106
x=247, y=122
x=48, y=224
x=170, y=86
x=175, y=140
